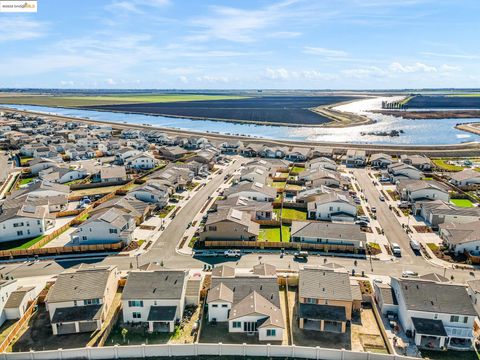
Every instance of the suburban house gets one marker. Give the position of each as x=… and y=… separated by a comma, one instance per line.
x=152, y=192
x=172, y=153
x=473, y=291
x=321, y=151
x=107, y=227
x=356, y=158
x=438, y=315
x=298, y=154
x=257, y=209
x=155, y=298
x=257, y=174
x=39, y=164
x=328, y=233
x=273, y=152
x=323, y=163
x=23, y=220
x=7, y=287
x=249, y=303
x=41, y=189
x=438, y=212
x=18, y=302
x=142, y=161
x=385, y=298
x=420, y=190
x=401, y=171
x=380, y=160
x=421, y=162
x=80, y=299
x=253, y=191
x=319, y=176
x=230, y=224
x=461, y=237
x=113, y=174
x=467, y=177
x=332, y=206
x=62, y=175
x=124, y=153
x=327, y=298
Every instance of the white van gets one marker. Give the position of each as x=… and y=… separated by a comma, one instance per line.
x=414, y=244
x=396, y=249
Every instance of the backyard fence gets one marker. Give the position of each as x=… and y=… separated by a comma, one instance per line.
x=232, y=244
x=18, y=326
x=194, y=350
x=60, y=250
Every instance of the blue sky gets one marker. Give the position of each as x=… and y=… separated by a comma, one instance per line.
x=195, y=44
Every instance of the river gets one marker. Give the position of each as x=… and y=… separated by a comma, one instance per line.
x=415, y=132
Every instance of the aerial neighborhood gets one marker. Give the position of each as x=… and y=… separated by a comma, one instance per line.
x=211, y=240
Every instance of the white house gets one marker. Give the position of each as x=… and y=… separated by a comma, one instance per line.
x=461, y=237
x=156, y=298
x=253, y=191
x=332, y=206
x=249, y=302
x=7, y=287
x=473, y=291
x=37, y=165
x=62, y=175
x=356, y=157
x=421, y=162
x=151, y=192
x=256, y=174
x=467, y=177
x=439, y=315
x=107, y=227
x=419, y=190
x=380, y=160
x=143, y=161
x=322, y=162
x=18, y=302
x=400, y=171
x=23, y=221
x=80, y=299
x=438, y=212
x=320, y=177
x=124, y=153
x=113, y=174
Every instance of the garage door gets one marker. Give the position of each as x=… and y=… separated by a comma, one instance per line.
x=66, y=328
x=87, y=326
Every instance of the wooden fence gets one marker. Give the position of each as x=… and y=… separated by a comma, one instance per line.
x=232, y=244
x=60, y=250
x=18, y=326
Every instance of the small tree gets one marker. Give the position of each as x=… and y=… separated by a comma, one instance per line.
x=124, y=334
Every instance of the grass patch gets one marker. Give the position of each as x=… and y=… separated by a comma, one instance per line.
x=293, y=187
x=25, y=181
x=20, y=244
x=374, y=245
x=25, y=160
x=297, y=170
x=165, y=211
x=434, y=247
x=73, y=101
x=462, y=203
x=278, y=184
x=293, y=214
x=272, y=234
x=442, y=164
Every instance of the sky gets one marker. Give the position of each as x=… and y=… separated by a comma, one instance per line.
x=246, y=44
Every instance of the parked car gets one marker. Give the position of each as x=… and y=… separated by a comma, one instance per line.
x=361, y=223
x=363, y=218
x=396, y=249
x=384, y=179
x=409, y=274
x=232, y=253
x=382, y=198
x=301, y=255
x=374, y=209
x=414, y=244
x=404, y=205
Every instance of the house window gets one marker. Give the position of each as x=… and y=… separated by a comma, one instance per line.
x=18, y=224
x=212, y=228
x=113, y=231
x=435, y=316
x=271, y=332
x=237, y=324
x=465, y=319
x=136, y=315
x=214, y=306
x=135, y=303
x=91, y=302
x=224, y=305
x=19, y=233
x=310, y=301
x=454, y=318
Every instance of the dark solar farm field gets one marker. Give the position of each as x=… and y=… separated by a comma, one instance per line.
x=276, y=109
x=444, y=102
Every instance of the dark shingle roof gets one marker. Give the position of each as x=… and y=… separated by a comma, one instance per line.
x=429, y=327
x=322, y=312
x=77, y=313
x=162, y=313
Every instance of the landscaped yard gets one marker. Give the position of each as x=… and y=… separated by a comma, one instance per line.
x=293, y=214
x=25, y=181
x=165, y=211
x=272, y=234
x=278, y=184
x=442, y=164
x=462, y=202
x=297, y=170
x=293, y=187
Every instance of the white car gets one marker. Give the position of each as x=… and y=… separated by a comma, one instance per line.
x=409, y=274
x=232, y=253
x=414, y=244
x=396, y=249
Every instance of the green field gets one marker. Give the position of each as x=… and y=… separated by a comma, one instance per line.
x=72, y=101
x=293, y=214
x=272, y=234
x=462, y=203
x=442, y=164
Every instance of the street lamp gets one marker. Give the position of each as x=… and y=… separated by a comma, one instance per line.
x=136, y=257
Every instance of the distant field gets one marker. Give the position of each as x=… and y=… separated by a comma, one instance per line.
x=273, y=109
x=74, y=101
x=459, y=101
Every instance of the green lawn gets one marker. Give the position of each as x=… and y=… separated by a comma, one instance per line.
x=278, y=184
x=442, y=164
x=297, y=170
x=293, y=187
x=20, y=244
x=293, y=214
x=25, y=181
x=272, y=234
x=23, y=160
x=462, y=202
x=72, y=101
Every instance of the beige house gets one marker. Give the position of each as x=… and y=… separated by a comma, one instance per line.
x=230, y=224
x=80, y=299
x=327, y=298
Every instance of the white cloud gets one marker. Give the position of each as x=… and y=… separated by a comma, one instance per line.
x=276, y=74
x=20, y=28
x=450, y=55
x=364, y=72
x=283, y=74
x=396, y=67
x=135, y=6
x=324, y=52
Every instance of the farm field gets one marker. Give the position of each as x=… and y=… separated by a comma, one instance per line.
x=444, y=102
x=272, y=109
x=94, y=100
